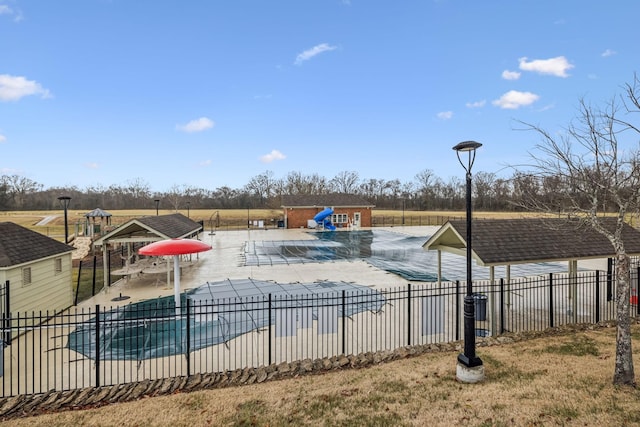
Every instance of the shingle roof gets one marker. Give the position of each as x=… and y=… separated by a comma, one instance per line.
x=97, y=213
x=173, y=225
x=516, y=241
x=19, y=245
x=324, y=200
x=153, y=228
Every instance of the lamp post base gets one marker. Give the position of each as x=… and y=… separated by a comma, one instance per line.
x=469, y=373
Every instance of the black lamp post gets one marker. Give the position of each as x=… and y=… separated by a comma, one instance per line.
x=470, y=368
x=188, y=209
x=64, y=200
x=157, y=204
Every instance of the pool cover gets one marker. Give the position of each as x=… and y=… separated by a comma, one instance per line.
x=219, y=312
x=389, y=251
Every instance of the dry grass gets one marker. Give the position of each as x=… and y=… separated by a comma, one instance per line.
x=556, y=380
x=31, y=218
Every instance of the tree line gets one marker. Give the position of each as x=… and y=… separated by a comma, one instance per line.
x=426, y=191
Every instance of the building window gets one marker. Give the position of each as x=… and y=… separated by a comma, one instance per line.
x=26, y=276
x=57, y=265
x=340, y=218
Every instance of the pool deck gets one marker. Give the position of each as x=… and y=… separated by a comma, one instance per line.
x=225, y=261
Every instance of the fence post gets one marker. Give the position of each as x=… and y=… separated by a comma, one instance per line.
x=551, y=319
x=93, y=280
x=409, y=314
x=7, y=314
x=637, y=296
x=502, y=305
x=75, y=300
x=97, y=325
x=108, y=267
x=457, y=310
x=269, y=330
x=609, y=279
x=344, y=322
x=597, y=296
x=188, y=343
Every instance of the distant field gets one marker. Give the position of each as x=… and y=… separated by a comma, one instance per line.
x=230, y=218
x=31, y=218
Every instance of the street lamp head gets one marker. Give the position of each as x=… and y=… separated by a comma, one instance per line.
x=467, y=146
x=64, y=199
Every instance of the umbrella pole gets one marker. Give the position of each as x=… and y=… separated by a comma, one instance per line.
x=176, y=282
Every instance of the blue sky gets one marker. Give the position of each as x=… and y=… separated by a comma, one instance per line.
x=211, y=93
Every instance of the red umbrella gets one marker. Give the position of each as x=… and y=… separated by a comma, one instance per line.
x=175, y=247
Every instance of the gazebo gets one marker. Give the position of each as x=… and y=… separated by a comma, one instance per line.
x=143, y=231
x=504, y=242
x=94, y=227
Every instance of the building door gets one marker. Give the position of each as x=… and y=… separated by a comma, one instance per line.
x=356, y=219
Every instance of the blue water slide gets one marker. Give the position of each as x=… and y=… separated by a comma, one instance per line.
x=322, y=217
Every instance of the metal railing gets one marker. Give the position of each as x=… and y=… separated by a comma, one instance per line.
x=98, y=347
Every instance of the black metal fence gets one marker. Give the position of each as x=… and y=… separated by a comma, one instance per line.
x=152, y=340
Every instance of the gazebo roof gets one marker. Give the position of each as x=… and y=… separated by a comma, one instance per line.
x=151, y=229
x=530, y=240
x=97, y=213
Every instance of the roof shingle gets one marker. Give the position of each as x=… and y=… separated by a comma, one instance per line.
x=513, y=241
x=324, y=200
x=19, y=245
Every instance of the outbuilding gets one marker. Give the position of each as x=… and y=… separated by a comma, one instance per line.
x=35, y=271
x=146, y=230
x=348, y=210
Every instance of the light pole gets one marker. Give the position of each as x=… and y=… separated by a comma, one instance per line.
x=188, y=209
x=470, y=368
x=64, y=200
x=157, y=204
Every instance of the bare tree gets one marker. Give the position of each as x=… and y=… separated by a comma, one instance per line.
x=262, y=186
x=597, y=159
x=19, y=187
x=345, y=182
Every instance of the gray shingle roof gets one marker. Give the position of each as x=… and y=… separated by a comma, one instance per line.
x=97, y=213
x=514, y=241
x=19, y=245
x=152, y=228
x=173, y=225
x=322, y=200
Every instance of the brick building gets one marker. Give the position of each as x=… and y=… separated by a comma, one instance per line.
x=348, y=209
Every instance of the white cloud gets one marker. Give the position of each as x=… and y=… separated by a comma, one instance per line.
x=476, y=104
x=445, y=115
x=608, y=52
x=6, y=10
x=92, y=165
x=310, y=53
x=272, y=156
x=12, y=88
x=2, y=138
x=511, y=75
x=514, y=99
x=557, y=66
x=197, y=125
x=205, y=163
